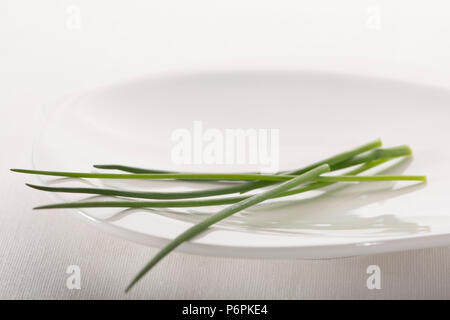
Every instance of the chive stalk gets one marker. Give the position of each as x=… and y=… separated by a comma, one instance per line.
x=225, y=213
x=381, y=153
x=215, y=176
x=160, y=176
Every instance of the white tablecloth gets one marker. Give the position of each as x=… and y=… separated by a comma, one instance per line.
x=51, y=48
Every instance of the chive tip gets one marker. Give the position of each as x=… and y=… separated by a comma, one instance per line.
x=409, y=150
x=379, y=142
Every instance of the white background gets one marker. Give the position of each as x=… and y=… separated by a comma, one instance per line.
x=48, y=51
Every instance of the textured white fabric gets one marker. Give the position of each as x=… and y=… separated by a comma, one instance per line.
x=44, y=55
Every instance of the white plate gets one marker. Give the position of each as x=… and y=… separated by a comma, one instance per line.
x=318, y=114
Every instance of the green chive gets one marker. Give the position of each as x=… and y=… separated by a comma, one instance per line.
x=160, y=176
x=382, y=153
x=129, y=169
x=217, y=176
x=225, y=213
x=346, y=178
